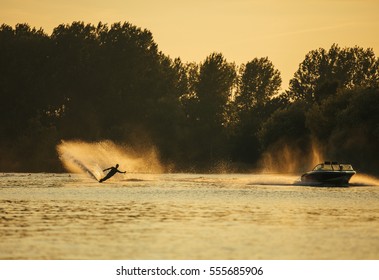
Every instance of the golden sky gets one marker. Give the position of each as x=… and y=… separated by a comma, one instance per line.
x=283, y=30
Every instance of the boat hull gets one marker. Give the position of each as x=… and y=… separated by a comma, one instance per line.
x=328, y=177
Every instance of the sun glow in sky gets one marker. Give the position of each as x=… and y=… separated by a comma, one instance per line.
x=282, y=30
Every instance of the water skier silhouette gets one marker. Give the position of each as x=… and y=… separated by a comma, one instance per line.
x=113, y=170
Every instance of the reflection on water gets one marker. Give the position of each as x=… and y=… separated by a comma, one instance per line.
x=185, y=216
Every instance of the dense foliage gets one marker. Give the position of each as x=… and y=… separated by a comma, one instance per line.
x=98, y=82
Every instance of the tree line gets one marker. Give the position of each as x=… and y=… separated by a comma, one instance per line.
x=96, y=82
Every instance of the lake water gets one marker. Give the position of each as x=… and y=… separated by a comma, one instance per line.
x=186, y=216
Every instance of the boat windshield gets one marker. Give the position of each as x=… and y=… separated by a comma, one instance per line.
x=322, y=167
x=346, y=167
x=333, y=167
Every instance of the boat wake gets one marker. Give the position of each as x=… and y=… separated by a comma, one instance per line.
x=362, y=180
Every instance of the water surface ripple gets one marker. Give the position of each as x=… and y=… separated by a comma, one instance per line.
x=185, y=216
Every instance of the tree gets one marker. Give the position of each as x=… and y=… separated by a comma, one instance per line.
x=285, y=139
x=212, y=89
x=23, y=71
x=346, y=124
x=111, y=82
x=27, y=136
x=323, y=72
x=259, y=83
x=74, y=79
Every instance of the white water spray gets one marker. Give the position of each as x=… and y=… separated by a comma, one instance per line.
x=92, y=158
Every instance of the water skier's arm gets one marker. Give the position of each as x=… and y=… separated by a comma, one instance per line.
x=107, y=169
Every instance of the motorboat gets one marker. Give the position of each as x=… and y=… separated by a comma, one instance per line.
x=329, y=173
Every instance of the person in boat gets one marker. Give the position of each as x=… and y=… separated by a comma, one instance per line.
x=113, y=171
